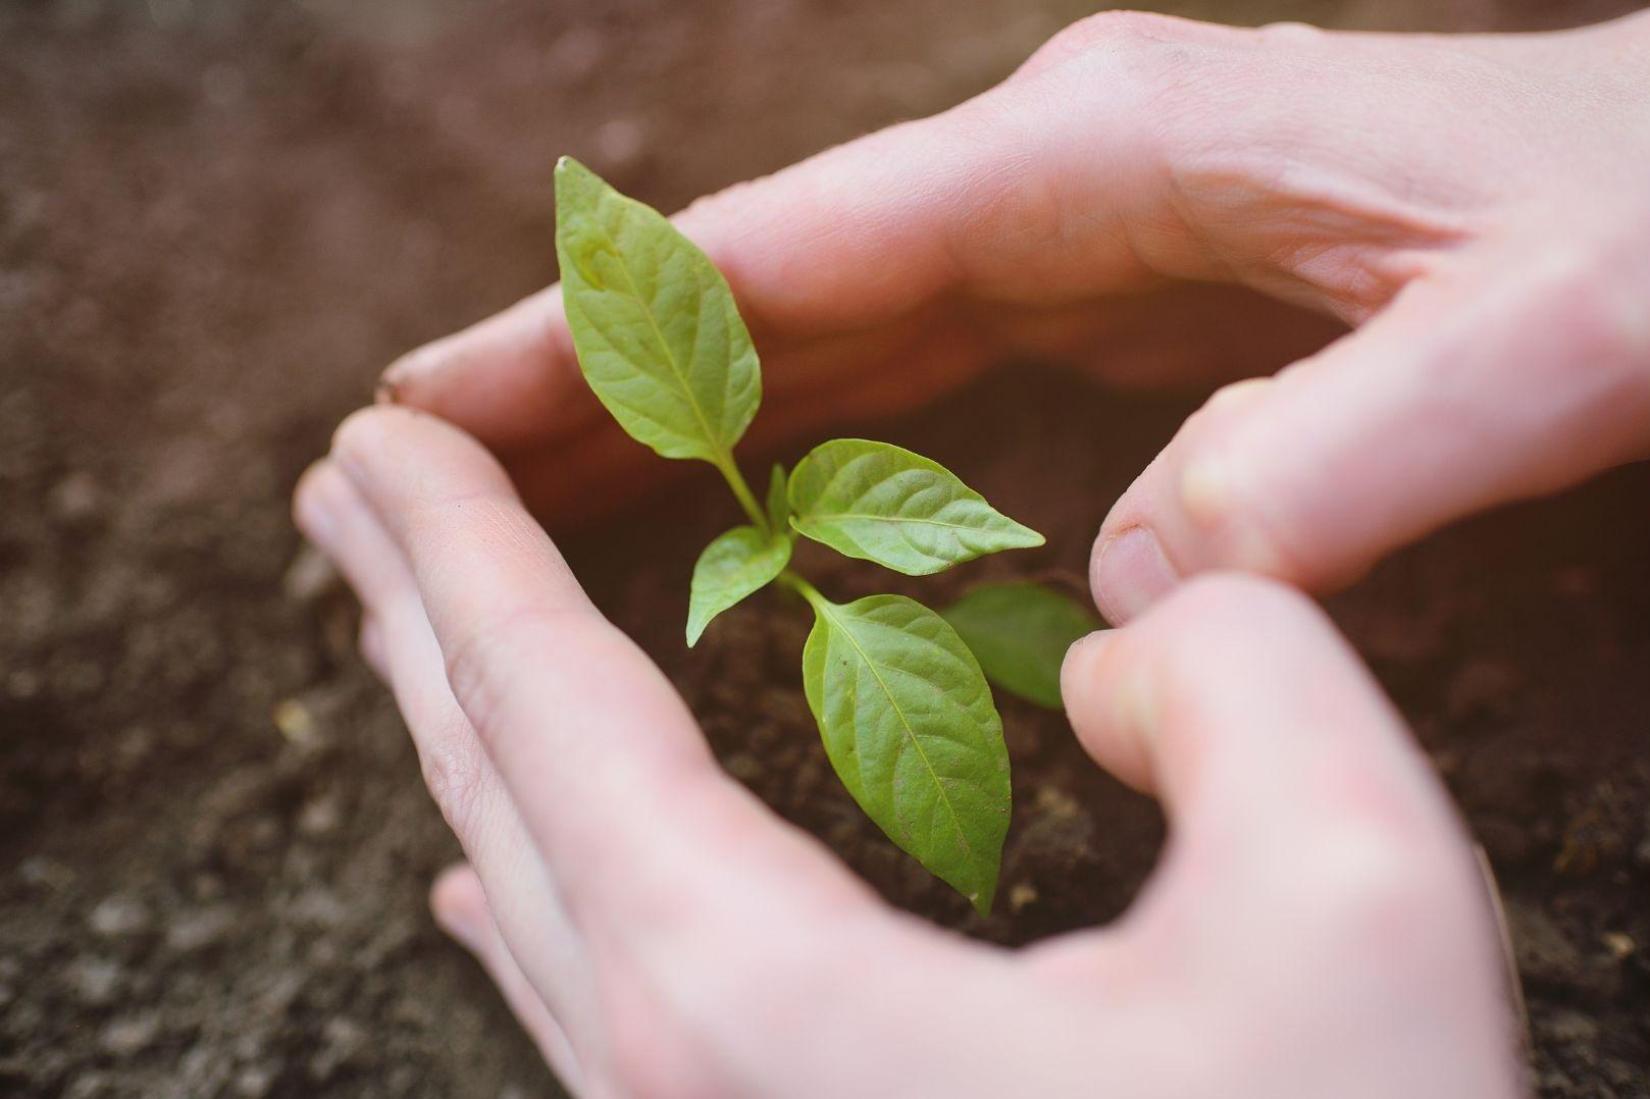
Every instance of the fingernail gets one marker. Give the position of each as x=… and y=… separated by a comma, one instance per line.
x=411, y=367
x=1131, y=572
x=1080, y=658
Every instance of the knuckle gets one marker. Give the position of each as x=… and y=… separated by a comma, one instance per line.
x=1112, y=30
x=1289, y=31
x=452, y=773
x=478, y=664
x=484, y=663
x=1152, y=53
x=1239, y=526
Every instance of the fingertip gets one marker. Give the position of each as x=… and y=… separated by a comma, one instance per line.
x=414, y=375
x=1109, y=704
x=304, y=510
x=510, y=380
x=459, y=905
x=321, y=504
x=1128, y=572
x=394, y=449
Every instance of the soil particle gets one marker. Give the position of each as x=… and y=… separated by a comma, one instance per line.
x=121, y=917
x=130, y=1034
x=94, y=982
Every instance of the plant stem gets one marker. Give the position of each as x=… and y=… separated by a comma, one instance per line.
x=742, y=492
x=802, y=587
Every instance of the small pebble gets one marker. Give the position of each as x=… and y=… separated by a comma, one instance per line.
x=1619, y=944
x=75, y=498
x=319, y=817
x=343, y=1039
x=199, y=929
x=120, y=917
x=254, y=1081
x=295, y=722
x=1021, y=896
x=94, y=981
x=130, y=1034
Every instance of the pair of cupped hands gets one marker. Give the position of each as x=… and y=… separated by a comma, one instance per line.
x=1475, y=208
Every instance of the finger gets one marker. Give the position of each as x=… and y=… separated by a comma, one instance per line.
x=1499, y=382
x=999, y=199
x=460, y=906
x=1314, y=862
x=372, y=646
x=509, y=379
x=1238, y=681
x=460, y=777
x=592, y=740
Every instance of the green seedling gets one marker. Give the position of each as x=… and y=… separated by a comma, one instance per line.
x=901, y=701
x=1019, y=632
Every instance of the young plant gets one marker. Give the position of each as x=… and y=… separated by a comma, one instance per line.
x=904, y=709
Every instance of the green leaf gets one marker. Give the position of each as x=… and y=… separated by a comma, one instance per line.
x=735, y=565
x=882, y=503
x=909, y=725
x=653, y=321
x=1020, y=633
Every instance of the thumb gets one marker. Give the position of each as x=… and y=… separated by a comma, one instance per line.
x=1317, y=892
x=1490, y=384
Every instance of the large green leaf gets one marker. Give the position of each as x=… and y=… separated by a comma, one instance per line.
x=1020, y=633
x=882, y=503
x=910, y=727
x=655, y=326
x=732, y=567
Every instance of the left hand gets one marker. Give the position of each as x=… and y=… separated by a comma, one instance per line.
x=1317, y=926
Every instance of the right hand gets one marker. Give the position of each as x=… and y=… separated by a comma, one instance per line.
x=1475, y=205
x=1317, y=927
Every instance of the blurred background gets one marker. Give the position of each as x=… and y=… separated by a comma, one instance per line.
x=219, y=219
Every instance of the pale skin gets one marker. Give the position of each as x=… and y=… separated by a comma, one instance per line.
x=1474, y=208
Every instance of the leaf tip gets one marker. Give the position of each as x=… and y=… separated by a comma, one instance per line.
x=696, y=625
x=573, y=182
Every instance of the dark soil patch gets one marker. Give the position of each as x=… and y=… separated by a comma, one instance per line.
x=218, y=220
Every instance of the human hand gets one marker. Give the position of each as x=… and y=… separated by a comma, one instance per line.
x=1473, y=204
x=1317, y=926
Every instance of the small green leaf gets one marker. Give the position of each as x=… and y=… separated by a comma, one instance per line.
x=909, y=725
x=882, y=503
x=655, y=326
x=735, y=565
x=779, y=503
x=1020, y=633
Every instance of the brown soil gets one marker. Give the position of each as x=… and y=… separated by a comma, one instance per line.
x=218, y=220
